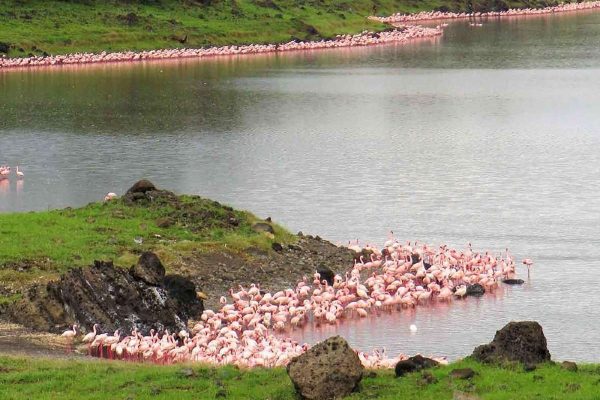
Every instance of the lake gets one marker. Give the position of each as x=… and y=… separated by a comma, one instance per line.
x=488, y=135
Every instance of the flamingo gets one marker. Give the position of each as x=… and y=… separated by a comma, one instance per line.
x=69, y=335
x=528, y=262
x=110, y=196
x=20, y=174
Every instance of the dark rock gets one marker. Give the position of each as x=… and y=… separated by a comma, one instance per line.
x=187, y=372
x=462, y=373
x=528, y=367
x=513, y=281
x=141, y=186
x=263, y=227
x=149, y=269
x=165, y=222
x=569, y=366
x=277, y=246
x=326, y=274
x=475, y=290
x=428, y=378
x=414, y=363
x=111, y=297
x=517, y=341
x=294, y=247
x=330, y=369
x=4, y=47
x=184, y=293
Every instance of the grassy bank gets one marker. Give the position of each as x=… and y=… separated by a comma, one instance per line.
x=37, y=246
x=22, y=378
x=36, y=27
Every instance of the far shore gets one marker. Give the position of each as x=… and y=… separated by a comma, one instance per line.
x=400, y=35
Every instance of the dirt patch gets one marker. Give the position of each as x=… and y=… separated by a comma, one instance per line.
x=216, y=273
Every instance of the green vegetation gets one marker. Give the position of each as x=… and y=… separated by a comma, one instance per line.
x=50, y=379
x=39, y=245
x=57, y=27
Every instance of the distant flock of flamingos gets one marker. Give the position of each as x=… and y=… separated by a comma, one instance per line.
x=249, y=328
x=400, y=35
x=5, y=172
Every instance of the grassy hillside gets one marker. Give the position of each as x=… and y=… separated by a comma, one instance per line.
x=37, y=246
x=36, y=27
x=45, y=379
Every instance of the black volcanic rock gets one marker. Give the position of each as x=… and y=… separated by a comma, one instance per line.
x=112, y=297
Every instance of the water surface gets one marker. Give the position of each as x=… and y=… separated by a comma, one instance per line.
x=489, y=135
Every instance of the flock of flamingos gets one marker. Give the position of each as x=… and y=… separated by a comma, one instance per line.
x=400, y=35
x=249, y=328
x=5, y=172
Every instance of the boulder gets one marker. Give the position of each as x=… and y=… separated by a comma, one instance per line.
x=569, y=366
x=326, y=274
x=149, y=269
x=414, y=363
x=165, y=222
x=513, y=281
x=462, y=373
x=112, y=297
x=263, y=227
x=475, y=290
x=141, y=186
x=517, y=341
x=330, y=369
x=183, y=291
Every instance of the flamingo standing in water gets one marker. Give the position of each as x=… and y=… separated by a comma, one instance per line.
x=528, y=262
x=69, y=335
x=20, y=174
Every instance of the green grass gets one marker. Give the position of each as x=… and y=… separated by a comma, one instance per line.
x=58, y=27
x=38, y=245
x=39, y=379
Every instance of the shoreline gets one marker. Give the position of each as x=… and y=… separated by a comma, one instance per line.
x=513, y=12
x=362, y=39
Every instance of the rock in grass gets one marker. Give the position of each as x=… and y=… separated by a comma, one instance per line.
x=518, y=341
x=263, y=227
x=141, y=186
x=329, y=370
x=462, y=373
x=528, y=367
x=569, y=366
x=165, y=222
x=414, y=363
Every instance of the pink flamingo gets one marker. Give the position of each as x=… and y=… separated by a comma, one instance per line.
x=69, y=335
x=528, y=262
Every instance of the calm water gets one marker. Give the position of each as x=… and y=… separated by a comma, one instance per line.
x=489, y=135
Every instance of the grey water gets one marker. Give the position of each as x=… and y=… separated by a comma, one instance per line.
x=488, y=135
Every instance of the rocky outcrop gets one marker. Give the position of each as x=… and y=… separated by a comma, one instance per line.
x=115, y=298
x=414, y=363
x=329, y=370
x=517, y=341
x=148, y=269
